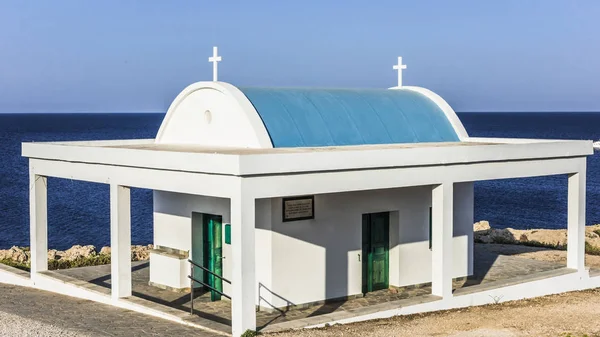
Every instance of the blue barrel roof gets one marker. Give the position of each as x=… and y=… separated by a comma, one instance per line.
x=330, y=117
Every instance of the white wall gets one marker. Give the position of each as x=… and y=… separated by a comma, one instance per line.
x=173, y=226
x=173, y=229
x=413, y=253
x=311, y=260
x=317, y=259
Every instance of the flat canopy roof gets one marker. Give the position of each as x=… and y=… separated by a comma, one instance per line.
x=145, y=153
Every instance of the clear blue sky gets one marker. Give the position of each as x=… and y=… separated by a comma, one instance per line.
x=119, y=55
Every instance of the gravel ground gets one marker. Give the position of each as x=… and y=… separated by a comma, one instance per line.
x=570, y=314
x=13, y=326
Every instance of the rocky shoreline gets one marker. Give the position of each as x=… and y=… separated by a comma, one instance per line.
x=76, y=256
x=550, y=238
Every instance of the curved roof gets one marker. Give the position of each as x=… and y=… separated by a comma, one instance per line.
x=330, y=117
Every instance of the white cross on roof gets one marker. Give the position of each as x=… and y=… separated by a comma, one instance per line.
x=215, y=59
x=400, y=67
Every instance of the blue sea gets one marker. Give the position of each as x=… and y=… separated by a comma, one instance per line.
x=79, y=211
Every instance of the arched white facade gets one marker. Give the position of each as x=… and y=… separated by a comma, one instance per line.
x=215, y=114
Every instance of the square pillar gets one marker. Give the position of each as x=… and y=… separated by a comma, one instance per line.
x=38, y=222
x=120, y=241
x=441, y=237
x=576, y=221
x=243, y=273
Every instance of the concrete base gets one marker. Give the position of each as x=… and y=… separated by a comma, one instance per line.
x=177, y=267
x=176, y=290
x=15, y=276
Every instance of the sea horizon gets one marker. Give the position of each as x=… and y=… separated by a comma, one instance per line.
x=78, y=211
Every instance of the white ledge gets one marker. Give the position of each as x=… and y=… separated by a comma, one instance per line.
x=243, y=162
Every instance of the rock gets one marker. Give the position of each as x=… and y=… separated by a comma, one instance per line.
x=78, y=251
x=484, y=233
x=54, y=254
x=482, y=226
x=481, y=231
x=140, y=253
x=484, y=239
x=502, y=236
x=22, y=254
x=15, y=253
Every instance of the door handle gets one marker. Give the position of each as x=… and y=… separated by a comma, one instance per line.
x=358, y=257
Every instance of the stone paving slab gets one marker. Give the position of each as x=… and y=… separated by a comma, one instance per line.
x=514, y=281
x=197, y=319
x=86, y=317
x=344, y=314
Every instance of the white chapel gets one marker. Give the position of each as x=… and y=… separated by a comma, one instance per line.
x=293, y=196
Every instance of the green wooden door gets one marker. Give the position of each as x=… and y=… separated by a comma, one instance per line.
x=376, y=243
x=212, y=244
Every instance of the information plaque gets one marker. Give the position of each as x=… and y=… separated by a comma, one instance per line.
x=298, y=208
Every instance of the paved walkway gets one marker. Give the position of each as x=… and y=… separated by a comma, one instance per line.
x=58, y=315
x=489, y=268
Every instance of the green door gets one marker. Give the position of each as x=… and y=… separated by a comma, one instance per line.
x=375, y=249
x=212, y=253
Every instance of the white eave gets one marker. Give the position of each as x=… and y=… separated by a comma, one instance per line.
x=250, y=162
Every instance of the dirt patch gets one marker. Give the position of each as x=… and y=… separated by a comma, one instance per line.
x=574, y=314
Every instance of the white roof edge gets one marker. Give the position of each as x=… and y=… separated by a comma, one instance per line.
x=520, y=140
x=411, y=157
x=218, y=163
x=451, y=115
x=108, y=142
x=306, y=161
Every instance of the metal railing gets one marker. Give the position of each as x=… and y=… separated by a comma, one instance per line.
x=193, y=279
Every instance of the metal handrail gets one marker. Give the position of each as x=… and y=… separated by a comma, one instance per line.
x=208, y=286
x=209, y=271
x=192, y=280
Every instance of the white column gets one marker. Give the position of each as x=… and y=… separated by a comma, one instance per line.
x=243, y=274
x=441, y=236
x=120, y=241
x=576, y=221
x=38, y=222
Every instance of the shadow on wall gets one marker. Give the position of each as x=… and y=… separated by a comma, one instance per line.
x=325, y=253
x=262, y=290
